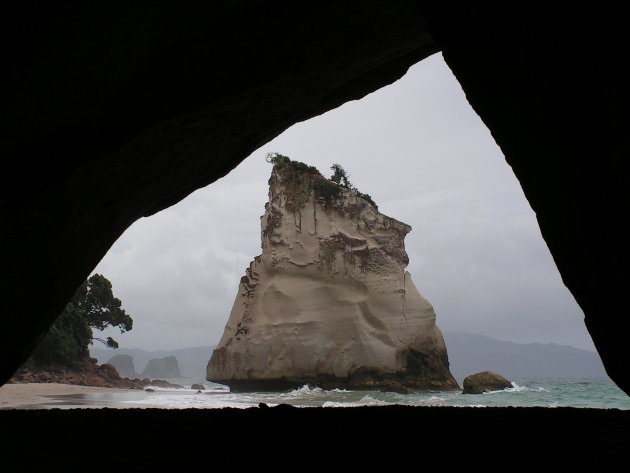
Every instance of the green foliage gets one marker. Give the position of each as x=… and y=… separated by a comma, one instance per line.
x=297, y=169
x=93, y=306
x=302, y=168
x=281, y=161
x=101, y=308
x=66, y=341
x=298, y=175
x=324, y=188
x=278, y=160
x=340, y=176
x=368, y=198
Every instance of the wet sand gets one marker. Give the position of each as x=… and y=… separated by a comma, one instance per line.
x=29, y=395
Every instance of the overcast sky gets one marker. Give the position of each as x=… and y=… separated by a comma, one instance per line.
x=425, y=157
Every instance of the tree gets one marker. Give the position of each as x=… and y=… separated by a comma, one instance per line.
x=102, y=309
x=278, y=160
x=340, y=176
x=93, y=306
x=281, y=161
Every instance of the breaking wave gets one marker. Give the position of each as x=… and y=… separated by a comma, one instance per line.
x=364, y=401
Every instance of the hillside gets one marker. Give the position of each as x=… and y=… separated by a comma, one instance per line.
x=470, y=353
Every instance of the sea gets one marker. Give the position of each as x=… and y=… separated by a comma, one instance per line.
x=599, y=393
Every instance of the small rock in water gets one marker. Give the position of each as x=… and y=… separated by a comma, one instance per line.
x=198, y=386
x=485, y=381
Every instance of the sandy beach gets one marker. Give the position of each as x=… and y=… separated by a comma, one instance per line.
x=18, y=395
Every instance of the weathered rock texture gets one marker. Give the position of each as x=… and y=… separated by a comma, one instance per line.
x=485, y=381
x=87, y=372
x=329, y=301
x=162, y=367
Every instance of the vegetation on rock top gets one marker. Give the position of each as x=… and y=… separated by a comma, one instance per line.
x=297, y=169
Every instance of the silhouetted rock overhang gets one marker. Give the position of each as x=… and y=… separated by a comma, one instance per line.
x=117, y=110
x=551, y=84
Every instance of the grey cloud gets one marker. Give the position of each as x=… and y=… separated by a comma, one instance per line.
x=424, y=155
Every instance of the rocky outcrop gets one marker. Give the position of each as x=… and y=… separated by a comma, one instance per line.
x=162, y=367
x=329, y=301
x=85, y=373
x=484, y=382
x=124, y=365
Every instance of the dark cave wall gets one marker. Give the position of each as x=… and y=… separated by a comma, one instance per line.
x=116, y=110
x=551, y=82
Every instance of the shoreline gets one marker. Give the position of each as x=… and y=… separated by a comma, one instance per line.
x=17, y=395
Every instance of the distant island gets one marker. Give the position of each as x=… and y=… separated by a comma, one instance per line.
x=192, y=361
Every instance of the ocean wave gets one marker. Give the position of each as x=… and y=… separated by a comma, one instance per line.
x=165, y=389
x=517, y=389
x=364, y=401
x=185, y=401
x=432, y=401
x=306, y=389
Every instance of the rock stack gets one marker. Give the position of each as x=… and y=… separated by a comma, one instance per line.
x=329, y=302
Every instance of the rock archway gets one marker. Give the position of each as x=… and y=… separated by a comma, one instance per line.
x=117, y=110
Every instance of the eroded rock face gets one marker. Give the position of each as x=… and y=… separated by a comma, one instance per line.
x=484, y=382
x=329, y=301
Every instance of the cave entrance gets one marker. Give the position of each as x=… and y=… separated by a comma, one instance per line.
x=418, y=148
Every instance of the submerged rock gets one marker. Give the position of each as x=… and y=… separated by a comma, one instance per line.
x=485, y=381
x=329, y=302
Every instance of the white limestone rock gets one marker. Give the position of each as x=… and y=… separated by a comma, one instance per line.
x=329, y=302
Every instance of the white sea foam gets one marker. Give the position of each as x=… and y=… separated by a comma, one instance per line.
x=370, y=401
x=306, y=389
x=339, y=404
x=517, y=389
x=165, y=389
x=432, y=401
x=364, y=401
